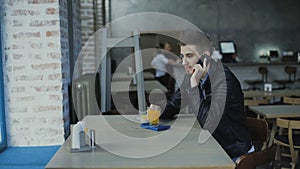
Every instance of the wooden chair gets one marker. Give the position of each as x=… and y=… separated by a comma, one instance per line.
x=263, y=159
x=291, y=100
x=291, y=140
x=255, y=102
x=258, y=129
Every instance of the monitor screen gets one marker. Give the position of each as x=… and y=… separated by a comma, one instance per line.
x=274, y=53
x=227, y=47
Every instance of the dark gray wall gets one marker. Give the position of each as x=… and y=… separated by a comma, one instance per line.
x=256, y=26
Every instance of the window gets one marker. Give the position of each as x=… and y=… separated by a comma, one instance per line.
x=3, y=142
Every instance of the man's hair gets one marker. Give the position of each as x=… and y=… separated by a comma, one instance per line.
x=197, y=38
x=159, y=46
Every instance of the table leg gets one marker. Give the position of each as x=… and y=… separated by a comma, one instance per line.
x=264, y=146
x=258, y=116
x=272, y=135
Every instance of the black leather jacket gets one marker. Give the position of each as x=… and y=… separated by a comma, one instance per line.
x=207, y=100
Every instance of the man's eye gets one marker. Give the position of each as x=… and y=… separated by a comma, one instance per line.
x=189, y=55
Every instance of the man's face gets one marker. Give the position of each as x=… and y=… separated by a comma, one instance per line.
x=190, y=58
x=167, y=47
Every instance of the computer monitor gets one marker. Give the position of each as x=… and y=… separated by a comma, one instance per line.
x=274, y=53
x=227, y=47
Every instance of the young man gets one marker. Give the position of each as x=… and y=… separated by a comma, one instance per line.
x=214, y=94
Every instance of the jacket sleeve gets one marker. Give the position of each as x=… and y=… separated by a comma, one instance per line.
x=173, y=106
x=213, y=98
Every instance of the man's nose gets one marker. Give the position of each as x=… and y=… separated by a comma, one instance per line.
x=184, y=62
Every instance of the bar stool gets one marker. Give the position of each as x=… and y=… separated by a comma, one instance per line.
x=291, y=71
x=264, y=77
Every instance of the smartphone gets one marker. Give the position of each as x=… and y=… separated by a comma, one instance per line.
x=202, y=58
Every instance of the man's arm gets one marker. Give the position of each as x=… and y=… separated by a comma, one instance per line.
x=173, y=106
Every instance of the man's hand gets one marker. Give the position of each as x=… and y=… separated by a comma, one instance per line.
x=199, y=72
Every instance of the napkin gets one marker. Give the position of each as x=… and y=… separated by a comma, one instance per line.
x=158, y=127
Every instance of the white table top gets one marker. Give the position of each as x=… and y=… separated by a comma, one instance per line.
x=188, y=153
x=260, y=93
x=118, y=76
x=277, y=111
x=149, y=85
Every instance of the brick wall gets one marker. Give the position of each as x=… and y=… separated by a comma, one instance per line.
x=77, y=40
x=36, y=70
x=91, y=19
x=87, y=30
x=65, y=64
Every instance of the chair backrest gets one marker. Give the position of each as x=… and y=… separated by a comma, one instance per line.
x=264, y=73
x=291, y=100
x=294, y=124
x=258, y=129
x=262, y=70
x=291, y=70
x=290, y=125
x=283, y=123
x=252, y=102
x=253, y=160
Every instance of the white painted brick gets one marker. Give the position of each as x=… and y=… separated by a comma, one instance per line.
x=36, y=55
x=88, y=65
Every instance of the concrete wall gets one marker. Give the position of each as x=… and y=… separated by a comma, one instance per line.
x=256, y=26
x=275, y=72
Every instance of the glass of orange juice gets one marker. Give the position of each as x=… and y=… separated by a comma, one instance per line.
x=153, y=116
